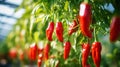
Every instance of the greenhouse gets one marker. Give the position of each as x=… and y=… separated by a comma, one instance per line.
x=59, y=33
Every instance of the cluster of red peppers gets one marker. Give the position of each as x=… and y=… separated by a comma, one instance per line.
x=85, y=19
x=49, y=33
x=67, y=45
x=59, y=31
x=59, y=34
x=96, y=53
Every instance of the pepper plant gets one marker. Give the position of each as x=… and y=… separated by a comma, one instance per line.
x=80, y=24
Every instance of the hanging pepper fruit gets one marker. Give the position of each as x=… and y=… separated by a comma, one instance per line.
x=40, y=56
x=13, y=53
x=115, y=28
x=49, y=31
x=46, y=51
x=59, y=31
x=73, y=27
x=33, y=52
x=96, y=53
x=67, y=47
x=85, y=54
x=85, y=19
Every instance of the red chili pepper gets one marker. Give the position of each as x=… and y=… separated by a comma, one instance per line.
x=33, y=52
x=13, y=53
x=49, y=31
x=85, y=19
x=85, y=54
x=40, y=56
x=67, y=47
x=96, y=53
x=46, y=51
x=73, y=27
x=115, y=28
x=59, y=31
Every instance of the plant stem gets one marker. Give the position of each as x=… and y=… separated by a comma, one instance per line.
x=95, y=36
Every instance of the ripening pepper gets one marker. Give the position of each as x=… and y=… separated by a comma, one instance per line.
x=73, y=28
x=115, y=28
x=49, y=31
x=46, y=51
x=59, y=31
x=67, y=47
x=85, y=19
x=85, y=54
x=96, y=53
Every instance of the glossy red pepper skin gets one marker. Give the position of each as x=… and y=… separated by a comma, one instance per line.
x=46, y=51
x=59, y=31
x=33, y=52
x=85, y=54
x=96, y=53
x=115, y=28
x=67, y=47
x=85, y=19
x=73, y=27
x=49, y=31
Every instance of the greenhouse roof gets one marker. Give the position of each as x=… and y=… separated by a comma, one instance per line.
x=8, y=16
